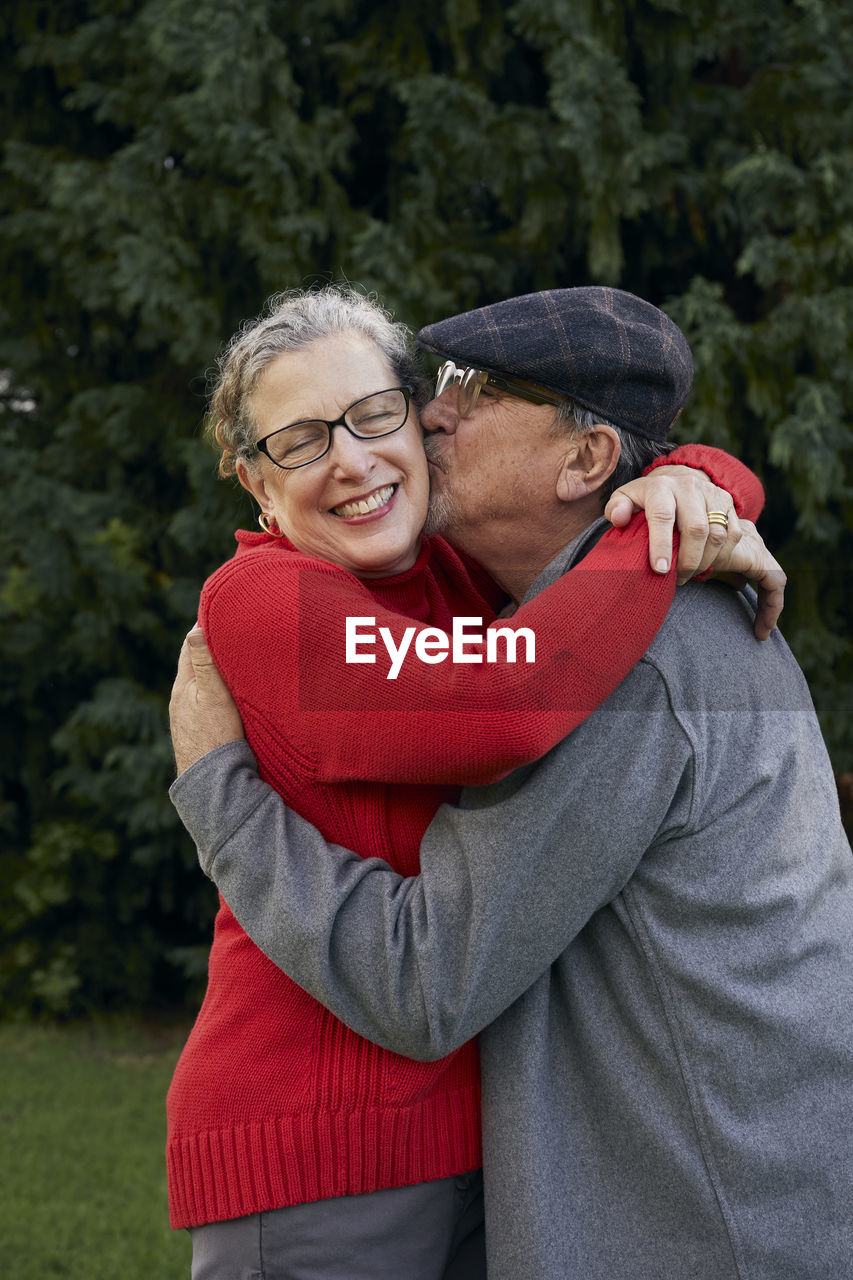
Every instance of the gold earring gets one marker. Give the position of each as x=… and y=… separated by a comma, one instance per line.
x=268, y=524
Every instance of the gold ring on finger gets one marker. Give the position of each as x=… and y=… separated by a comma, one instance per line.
x=718, y=517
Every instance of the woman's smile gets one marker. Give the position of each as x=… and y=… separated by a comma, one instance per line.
x=370, y=506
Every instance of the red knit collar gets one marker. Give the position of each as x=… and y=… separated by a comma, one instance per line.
x=250, y=539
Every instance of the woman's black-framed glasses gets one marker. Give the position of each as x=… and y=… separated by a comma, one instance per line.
x=471, y=381
x=379, y=414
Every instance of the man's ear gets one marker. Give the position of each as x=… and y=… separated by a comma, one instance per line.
x=590, y=460
x=253, y=482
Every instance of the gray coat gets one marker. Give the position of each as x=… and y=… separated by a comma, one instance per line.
x=651, y=930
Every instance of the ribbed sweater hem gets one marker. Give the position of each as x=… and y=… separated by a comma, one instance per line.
x=281, y=1160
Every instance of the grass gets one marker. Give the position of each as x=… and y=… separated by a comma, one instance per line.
x=82, y=1172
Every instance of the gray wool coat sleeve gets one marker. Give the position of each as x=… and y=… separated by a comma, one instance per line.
x=422, y=964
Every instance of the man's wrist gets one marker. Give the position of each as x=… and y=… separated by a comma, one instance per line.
x=236, y=753
x=185, y=760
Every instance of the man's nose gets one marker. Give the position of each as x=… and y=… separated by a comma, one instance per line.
x=441, y=414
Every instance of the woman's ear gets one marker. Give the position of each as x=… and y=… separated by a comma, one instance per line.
x=588, y=463
x=253, y=482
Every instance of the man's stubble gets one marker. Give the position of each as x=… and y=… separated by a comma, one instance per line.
x=442, y=513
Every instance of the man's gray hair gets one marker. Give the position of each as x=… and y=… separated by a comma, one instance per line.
x=636, y=452
x=289, y=322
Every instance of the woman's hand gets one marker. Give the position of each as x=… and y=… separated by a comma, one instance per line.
x=749, y=558
x=683, y=497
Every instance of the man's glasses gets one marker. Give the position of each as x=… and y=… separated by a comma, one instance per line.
x=302, y=442
x=471, y=381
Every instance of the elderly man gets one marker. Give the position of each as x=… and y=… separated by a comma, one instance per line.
x=650, y=929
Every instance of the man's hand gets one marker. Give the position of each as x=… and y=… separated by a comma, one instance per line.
x=750, y=559
x=679, y=496
x=202, y=713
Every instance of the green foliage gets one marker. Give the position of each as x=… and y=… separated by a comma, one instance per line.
x=169, y=163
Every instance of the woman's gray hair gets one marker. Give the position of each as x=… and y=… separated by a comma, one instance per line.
x=290, y=321
x=636, y=452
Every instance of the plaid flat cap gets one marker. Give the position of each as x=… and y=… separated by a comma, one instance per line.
x=609, y=351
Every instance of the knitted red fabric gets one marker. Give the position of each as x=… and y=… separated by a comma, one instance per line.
x=274, y=1101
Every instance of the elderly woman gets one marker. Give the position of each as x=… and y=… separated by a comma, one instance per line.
x=330, y=1155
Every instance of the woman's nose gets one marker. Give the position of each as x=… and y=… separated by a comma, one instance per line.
x=349, y=455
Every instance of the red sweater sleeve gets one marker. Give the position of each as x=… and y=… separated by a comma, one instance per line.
x=276, y=626
x=726, y=471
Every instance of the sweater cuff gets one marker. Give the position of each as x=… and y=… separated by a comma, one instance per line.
x=216, y=795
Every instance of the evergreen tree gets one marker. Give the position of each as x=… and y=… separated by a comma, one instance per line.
x=169, y=164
